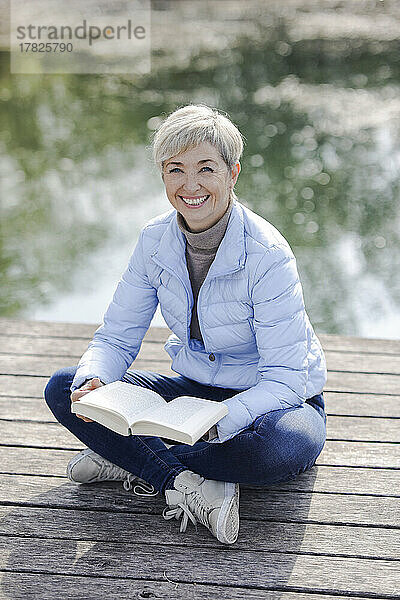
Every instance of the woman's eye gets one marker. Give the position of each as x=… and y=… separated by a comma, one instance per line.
x=179, y=170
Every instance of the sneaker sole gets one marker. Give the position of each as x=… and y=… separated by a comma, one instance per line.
x=231, y=502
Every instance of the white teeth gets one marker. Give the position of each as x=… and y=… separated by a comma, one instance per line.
x=194, y=202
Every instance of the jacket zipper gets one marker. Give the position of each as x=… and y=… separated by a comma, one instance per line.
x=189, y=294
x=198, y=304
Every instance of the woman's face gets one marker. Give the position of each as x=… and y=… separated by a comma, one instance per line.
x=198, y=183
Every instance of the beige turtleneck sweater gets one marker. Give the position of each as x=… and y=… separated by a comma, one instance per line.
x=201, y=249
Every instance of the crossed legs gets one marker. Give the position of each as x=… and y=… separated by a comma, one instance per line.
x=276, y=448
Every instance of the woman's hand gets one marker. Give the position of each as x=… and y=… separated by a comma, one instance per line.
x=90, y=385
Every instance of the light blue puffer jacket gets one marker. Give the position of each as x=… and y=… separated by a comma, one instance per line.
x=257, y=335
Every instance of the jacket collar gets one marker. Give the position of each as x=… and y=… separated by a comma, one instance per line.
x=230, y=256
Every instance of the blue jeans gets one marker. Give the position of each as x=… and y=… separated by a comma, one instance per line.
x=275, y=448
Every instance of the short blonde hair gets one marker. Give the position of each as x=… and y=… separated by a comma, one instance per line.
x=189, y=126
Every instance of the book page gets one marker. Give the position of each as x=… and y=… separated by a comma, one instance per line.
x=124, y=398
x=186, y=414
x=175, y=413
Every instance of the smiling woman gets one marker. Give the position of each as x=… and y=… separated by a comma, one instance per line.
x=228, y=288
x=199, y=159
x=199, y=185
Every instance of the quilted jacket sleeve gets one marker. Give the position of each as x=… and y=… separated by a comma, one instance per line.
x=281, y=336
x=117, y=341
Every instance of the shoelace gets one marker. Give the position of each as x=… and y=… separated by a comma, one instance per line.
x=182, y=509
x=140, y=489
x=113, y=472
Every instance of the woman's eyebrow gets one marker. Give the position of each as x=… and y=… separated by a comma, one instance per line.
x=202, y=161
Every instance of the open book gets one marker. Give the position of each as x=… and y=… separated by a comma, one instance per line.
x=133, y=410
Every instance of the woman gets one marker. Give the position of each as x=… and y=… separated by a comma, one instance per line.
x=229, y=290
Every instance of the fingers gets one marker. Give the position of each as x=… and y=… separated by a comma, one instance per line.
x=78, y=394
x=95, y=382
x=85, y=389
x=85, y=419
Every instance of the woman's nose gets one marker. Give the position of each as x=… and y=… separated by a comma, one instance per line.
x=191, y=183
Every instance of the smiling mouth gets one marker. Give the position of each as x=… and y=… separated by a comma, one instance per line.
x=198, y=201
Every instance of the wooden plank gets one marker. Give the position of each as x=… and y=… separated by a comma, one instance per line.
x=349, y=427
x=259, y=505
x=25, y=586
x=29, y=409
x=363, y=363
x=33, y=385
x=13, y=327
x=73, y=348
x=59, y=492
x=338, y=428
x=46, y=366
x=362, y=405
x=337, y=381
x=34, y=461
x=265, y=570
x=341, y=480
x=97, y=526
x=363, y=429
x=342, y=453
x=81, y=330
x=14, y=386
x=344, y=343
x=40, y=361
x=46, y=346
x=25, y=385
x=336, y=404
x=363, y=383
x=360, y=454
x=379, y=482
x=35, y=409
x=39, y=435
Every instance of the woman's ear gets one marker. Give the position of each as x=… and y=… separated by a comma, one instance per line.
x=235, y=172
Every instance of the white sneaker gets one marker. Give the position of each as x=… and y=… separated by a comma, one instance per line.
x=215, y=504
x=89, y=467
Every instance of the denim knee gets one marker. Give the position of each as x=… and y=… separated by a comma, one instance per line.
x=57, y=391
x=288, y=442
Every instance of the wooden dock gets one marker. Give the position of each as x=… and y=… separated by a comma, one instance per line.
x=333, y=532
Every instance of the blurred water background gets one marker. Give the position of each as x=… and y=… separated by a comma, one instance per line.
x=313, y=86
